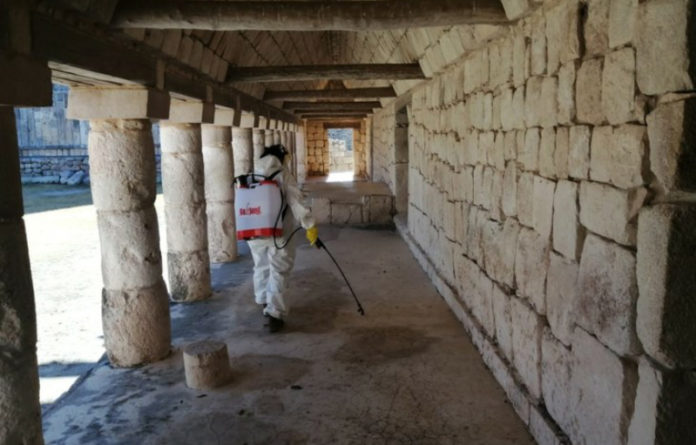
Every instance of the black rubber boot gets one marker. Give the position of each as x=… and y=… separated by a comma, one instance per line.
x=275, y=324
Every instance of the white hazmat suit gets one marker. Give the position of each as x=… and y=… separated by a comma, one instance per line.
x=272, y=266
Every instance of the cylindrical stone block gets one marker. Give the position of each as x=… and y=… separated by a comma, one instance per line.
x=206, y=364
x=183, y=180
x=20, y=412
x=218, y=164
x=277, y=137
x=258, y=140
x=268, y=138
x=135, y=306
x=243, y=150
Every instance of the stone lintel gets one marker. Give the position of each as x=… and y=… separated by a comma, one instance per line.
x=117, y=103
x=248, y=119
x=225, y=116
x=25, y=81
x=191, y=112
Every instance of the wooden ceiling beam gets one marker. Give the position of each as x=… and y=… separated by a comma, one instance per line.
x=306, y=15
x=377, y=71
x=324, y=106
x=353, y=93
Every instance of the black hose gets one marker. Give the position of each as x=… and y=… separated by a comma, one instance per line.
x=321, y=245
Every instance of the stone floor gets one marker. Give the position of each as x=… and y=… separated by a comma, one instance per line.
x=404, y=373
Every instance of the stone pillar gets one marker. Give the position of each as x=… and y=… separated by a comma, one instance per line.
x=268, y=138
x=26, y=82
x=219, y=192
x=20, y=416
x=258, y=139
x=243, y=150
x=188, y=260
x=135, y=307
x=277, y=136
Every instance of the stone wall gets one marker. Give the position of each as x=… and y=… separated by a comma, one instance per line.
x=52, y=148
x=317, y=149
x=340, y=158
x=552, y=182
x=318, y=160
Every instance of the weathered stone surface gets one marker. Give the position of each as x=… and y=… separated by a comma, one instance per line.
x=527, y=328
x=673, y=145
x=561, y=297
x=525, y=199
x=543, y=429
x=258, y=138
x=664, y=64
x=20, y=415
x=548, y=113
x=122, y=164
x=500, y=249
x=503, y=321
x=206, y=364
x=218, y=164
x=528, y=153
x=538, y=44
x=515, y=9
x=567, y=233
x=610, y=212
x=622, y=21
x=666, y=283
x=588, y=91
x=136, y=324
x=509, y=203
x=531, y=263
x=547, y=146
x=243, y=151
x=619, y=103
x=664, y=406
x=130, y=249
x=579, y=152
x=185, y=212
x=543, y=205
x=596, y=30
x=561, y=152
x=556, y=372
x=345, y=214
x=618, y=155
x=607, y=294
x=566, y=93
x=603, y=387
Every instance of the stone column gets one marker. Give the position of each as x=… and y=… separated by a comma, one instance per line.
x=268, y=138
x=26, y=82
x=219, y=192
x=135, y=307
x=243, y=150
x=188, y=260
x=20, y=417
x=258, y=140
x=277, y=136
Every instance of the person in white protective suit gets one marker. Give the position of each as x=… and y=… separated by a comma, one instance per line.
x=272, y=266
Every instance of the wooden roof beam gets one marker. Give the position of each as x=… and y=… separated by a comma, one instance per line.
x=323, y=106
x=307, y=15
x=354, y=93
x=378, y=71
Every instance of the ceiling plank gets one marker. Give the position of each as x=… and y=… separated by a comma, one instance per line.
x=306, y=15
x=381, y=71
x=367, y=106
x=354, y=93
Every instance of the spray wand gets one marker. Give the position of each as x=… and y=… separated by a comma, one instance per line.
x=321, y=245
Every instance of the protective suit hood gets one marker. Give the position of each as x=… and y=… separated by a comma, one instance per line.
x=267, y=165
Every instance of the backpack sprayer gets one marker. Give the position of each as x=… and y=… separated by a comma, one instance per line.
x=260, y=207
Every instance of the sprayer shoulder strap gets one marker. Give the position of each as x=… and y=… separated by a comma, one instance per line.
x=274, y=174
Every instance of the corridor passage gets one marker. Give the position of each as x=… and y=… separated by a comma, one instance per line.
x=404, y=373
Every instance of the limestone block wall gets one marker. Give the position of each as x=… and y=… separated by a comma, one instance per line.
x=340, y=159
x=551, y=190
x=317, y=149
x=360, y=150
